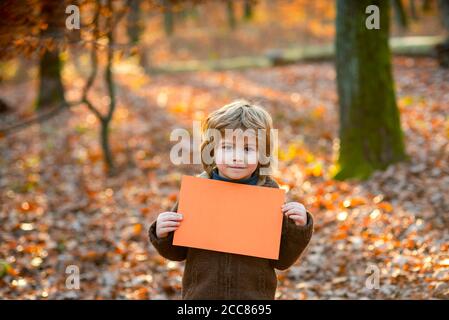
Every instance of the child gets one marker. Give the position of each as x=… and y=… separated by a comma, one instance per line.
x=218, y=275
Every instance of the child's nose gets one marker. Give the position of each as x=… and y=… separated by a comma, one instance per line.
x=239, y=156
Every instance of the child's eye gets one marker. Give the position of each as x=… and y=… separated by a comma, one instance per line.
x=226, y=147
x=249, y=149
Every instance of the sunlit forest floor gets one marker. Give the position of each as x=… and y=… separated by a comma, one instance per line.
x=58, y=207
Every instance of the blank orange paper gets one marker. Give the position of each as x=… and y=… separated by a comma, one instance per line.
x=230, y=217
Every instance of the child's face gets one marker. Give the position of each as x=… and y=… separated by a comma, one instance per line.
x=236, y=157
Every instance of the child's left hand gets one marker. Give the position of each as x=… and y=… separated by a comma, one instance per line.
x=295, y=211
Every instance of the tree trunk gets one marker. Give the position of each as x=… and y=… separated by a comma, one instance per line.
x=112, y=103
x=444, y=13
x=51, y=90
x=168, y=18
x=105, y=146
x=427, y=5
x=248, y=10
x=370, y=132
x=4, y=107
x=230, y=14
x=134, y=26
x=413, y=12
x=442, y=49
x=400, y=14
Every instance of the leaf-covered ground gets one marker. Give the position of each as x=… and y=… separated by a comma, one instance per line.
x=58, y=208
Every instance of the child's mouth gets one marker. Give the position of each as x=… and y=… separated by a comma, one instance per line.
x=236, y=167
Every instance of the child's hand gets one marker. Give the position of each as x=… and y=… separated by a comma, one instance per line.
x=295, y=211
x=167, y=222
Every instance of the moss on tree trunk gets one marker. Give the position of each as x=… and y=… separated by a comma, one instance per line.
x=370, y=132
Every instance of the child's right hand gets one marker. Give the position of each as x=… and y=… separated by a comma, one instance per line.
x=167, y=222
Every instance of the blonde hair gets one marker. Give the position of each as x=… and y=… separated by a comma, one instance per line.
x=239, y=114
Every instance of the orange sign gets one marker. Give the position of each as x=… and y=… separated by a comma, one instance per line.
x=230, y=217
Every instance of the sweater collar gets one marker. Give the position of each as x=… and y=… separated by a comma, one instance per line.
x=251, y=180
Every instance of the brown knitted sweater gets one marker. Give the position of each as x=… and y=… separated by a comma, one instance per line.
x=219, y=275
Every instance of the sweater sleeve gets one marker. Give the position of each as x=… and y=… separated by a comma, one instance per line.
x=294, y=241
x=165, y=245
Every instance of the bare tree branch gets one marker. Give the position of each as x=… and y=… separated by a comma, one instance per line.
x=94, y=68
x=40, y=117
